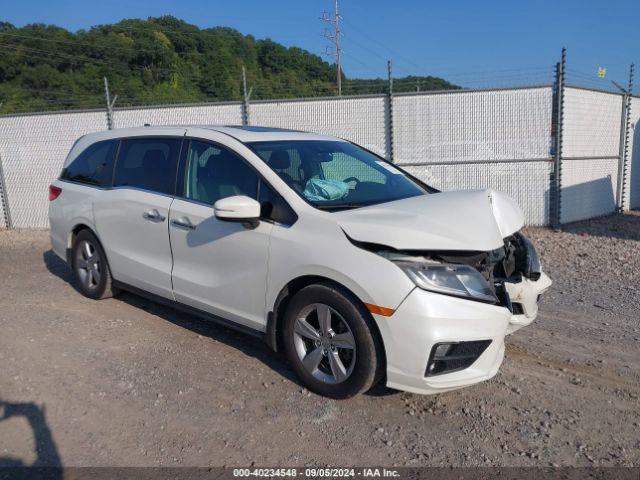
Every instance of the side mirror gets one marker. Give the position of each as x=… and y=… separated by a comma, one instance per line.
x=239, y=208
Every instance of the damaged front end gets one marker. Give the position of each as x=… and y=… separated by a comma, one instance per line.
x=509, y=276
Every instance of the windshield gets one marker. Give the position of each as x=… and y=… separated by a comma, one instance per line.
x=334, y=175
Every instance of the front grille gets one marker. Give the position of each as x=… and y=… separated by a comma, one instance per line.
x=452, y=357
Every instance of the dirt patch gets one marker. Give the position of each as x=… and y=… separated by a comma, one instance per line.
x=128, y=382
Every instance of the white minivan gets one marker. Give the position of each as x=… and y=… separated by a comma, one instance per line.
x=355, y=269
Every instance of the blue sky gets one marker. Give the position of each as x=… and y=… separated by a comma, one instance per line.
x=469, y=42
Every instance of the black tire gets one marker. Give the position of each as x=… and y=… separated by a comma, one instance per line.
x=368, y=362
x=97, y=290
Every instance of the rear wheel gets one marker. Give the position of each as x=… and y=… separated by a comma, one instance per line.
x=90, y=269
x=329, y=342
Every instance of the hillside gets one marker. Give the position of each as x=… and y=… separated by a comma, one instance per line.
x=162, y=60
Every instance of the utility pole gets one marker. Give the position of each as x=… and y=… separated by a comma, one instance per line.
x=110, y=104
x=333, y=36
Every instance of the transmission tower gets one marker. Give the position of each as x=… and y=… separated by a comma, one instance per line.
x=333, y=35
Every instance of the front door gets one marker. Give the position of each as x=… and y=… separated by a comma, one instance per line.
x=132, y=218
x=218, y=266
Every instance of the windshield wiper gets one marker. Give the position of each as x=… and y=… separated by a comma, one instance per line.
x=341, y=206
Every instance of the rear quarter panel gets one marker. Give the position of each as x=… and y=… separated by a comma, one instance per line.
x=73, y=207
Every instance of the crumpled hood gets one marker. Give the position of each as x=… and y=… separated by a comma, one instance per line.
x=475, y=220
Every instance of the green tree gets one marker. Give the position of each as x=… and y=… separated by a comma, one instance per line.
x=161, y=60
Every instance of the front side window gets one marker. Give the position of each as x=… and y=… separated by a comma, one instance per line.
x=335, y=175
x=213, y=172
x=94, y=166
x=148, y=163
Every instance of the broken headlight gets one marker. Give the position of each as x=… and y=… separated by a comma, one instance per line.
x=450, y=279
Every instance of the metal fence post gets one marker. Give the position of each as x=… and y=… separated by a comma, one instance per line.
x=390, y=113
x=4, y=198
x=245, y=98
x=555, y=210
x=625, y=132
x=110, y=104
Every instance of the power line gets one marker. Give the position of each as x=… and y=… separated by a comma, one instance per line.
x=473, y=76
x=124, y=67
x=119, y=67
x=394, y=53
x=113, y=47
x=68, y=56
x=369, y=67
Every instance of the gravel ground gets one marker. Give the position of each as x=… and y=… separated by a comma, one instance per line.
x=127, y=382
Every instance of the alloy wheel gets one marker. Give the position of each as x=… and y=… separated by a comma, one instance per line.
x=88, y=265
x=324, y=343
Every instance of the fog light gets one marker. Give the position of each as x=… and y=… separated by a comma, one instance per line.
x=442, y=349
x=452, y=357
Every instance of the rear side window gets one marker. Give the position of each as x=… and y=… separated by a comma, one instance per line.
x=94, y=166
x=148, y=163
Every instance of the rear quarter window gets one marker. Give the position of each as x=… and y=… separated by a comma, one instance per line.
x=94, y=166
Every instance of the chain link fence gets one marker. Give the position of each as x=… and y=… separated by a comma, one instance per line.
x=503, y=139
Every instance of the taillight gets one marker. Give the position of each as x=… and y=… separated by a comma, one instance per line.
x=54, y=192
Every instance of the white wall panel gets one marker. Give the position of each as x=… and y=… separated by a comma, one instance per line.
x=213, y=114
x=360, y=120
x=474, y=125
x=588, y=188
x=591, y=125
x=526, y=182
x=591, y=128
x=33, y=149
x=478, y=126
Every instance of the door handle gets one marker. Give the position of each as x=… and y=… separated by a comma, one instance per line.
x=183, y=222
x=153, y=216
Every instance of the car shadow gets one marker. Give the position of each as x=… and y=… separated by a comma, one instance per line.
x=46, y=451
x=59, y=268
x=248, y=344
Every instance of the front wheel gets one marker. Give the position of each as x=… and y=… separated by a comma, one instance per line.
x=330, y=343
